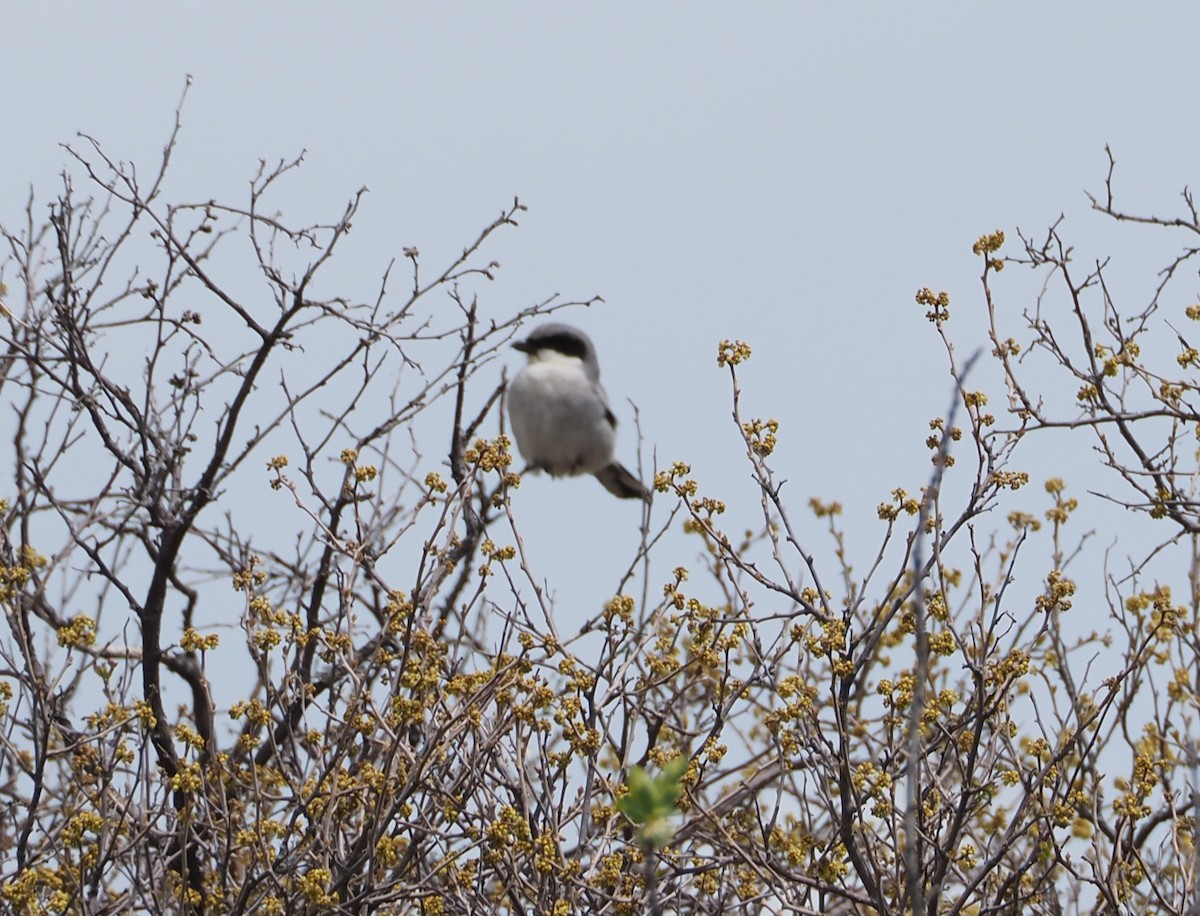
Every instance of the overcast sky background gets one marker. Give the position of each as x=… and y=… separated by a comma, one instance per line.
x=788, y=174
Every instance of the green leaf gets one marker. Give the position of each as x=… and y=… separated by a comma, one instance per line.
x=651, y=801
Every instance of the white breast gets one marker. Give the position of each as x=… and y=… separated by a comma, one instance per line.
x=560, y=419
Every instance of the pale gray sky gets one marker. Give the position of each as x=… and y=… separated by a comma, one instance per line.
x=784, y=173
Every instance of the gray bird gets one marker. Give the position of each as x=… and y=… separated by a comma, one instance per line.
x=560, y=414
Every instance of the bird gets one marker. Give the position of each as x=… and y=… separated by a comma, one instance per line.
x=560, y=414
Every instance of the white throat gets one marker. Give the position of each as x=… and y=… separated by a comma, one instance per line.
x=548, y=357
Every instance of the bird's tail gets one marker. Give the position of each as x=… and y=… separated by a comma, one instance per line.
x=621, y=482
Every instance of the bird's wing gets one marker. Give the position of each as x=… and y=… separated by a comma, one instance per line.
x=608, y=411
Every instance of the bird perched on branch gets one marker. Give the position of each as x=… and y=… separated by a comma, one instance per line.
x=560, y=414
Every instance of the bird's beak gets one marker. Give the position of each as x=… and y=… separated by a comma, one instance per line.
x=523, y=346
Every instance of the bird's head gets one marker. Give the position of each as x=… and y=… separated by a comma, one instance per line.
x=560, y=343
